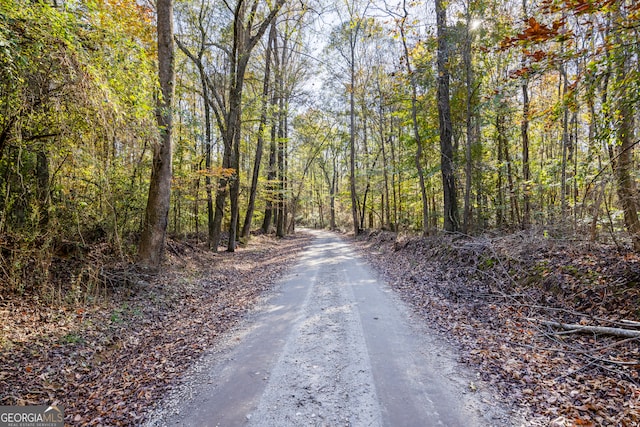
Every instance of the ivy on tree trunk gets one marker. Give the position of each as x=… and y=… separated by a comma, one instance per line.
x=157, y=211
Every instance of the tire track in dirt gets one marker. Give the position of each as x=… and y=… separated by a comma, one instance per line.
x=323, y=376
x=332, y=347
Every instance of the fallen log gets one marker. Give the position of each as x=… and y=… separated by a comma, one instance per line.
x=630, y=323
x=588, y=329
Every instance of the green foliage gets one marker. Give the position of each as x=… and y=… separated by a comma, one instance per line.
x=73, y=338
x=65, y=100
x=76, y=116
x=77, y=105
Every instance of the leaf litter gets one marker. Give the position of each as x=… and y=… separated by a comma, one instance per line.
x=484, y=295
x=109, y=361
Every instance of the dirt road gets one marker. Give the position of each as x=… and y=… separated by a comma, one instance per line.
x=332, y=347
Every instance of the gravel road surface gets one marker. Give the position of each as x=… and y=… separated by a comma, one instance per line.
x=333, y=346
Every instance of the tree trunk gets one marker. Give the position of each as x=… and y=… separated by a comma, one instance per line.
x=451, y=222
x=43, y=190
x=272, y=168
x=524, y=130
x=157, y=211
x=468, y=70
x=386, y=205
x=334, y=181
x=565, y=145
x=208, y=184
x=271, y=174
x=207, y=101
x=221, y=196
x=243, y=43
x=367, y=169
x=622, y=155
x=514, y=210
x=280, y=220
x=414, y=119
x=331, y=183
x=239, y=60
x=287, y=192
x=246, y=228
x=234, y=185
x=500, y=198
x=626, y=187
x=395, y=170
x=352, y=133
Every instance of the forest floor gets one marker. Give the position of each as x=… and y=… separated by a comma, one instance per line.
x=109, y=356
x=489, y=296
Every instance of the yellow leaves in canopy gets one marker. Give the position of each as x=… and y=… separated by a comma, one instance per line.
x=121, y=37
x=217, y=172
x=127, y=17
x=419, y=51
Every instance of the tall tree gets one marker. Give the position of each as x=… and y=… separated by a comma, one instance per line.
x=157, y=212
x=354, y=29
x=281, y=140
x=198, y=60
x=451, y=221
x=623, y=164
x=414, y=118
x=524, y=131
x=248, y=27
x=468, y=74
x=272, y=169
x=288, y=71
x=346, y=40
x=246, y=227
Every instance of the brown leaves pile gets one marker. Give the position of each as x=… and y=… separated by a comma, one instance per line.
x=481, y=294
x=110, y=363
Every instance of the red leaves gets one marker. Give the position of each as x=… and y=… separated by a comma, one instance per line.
x=578, y=7
x=538, y=55
x=521, y=72
x=537, y=32
x=526, y=71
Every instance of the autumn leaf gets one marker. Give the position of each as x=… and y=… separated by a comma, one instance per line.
x=538, y=32
x=538, y=55
x=581, y=7
x=521, y=72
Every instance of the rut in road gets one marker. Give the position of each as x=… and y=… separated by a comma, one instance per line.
x=324, y=371
x=333, y=347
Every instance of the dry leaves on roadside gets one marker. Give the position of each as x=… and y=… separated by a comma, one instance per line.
x=109, y=363
x=479, y=294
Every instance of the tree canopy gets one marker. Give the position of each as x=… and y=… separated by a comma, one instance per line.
x=351, y=115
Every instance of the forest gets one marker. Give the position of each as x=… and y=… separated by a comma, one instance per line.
x=468, y=117
x=135, y=131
